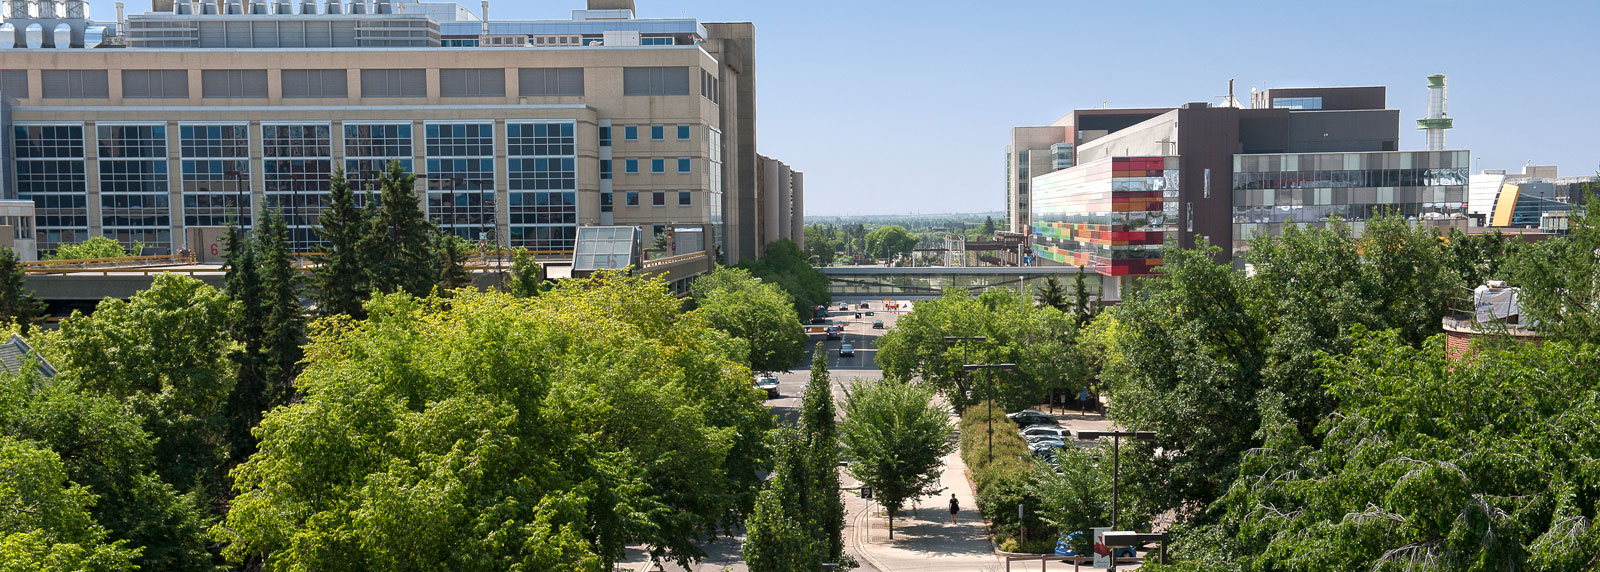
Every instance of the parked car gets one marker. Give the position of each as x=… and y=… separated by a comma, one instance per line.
x=768, y=383
x=1064, y=548
x=1044, y=439
x=1030, y=417
x=1046, y=431
x=877, y=324
x=1051, y=444
x=847, y=350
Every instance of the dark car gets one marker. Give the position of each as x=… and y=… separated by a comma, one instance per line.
x=835, y=332
x=877, y=324
x=864, y=306
x=1029, y=418
x=768, y=383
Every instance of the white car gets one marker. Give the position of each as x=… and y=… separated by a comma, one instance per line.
x=1047, y=431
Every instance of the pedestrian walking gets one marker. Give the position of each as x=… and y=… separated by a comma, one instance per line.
x=955, y=507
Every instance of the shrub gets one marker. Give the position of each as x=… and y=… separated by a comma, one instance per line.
x=1003, y=482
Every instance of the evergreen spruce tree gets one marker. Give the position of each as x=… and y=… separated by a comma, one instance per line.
x=340, y=281
x=17, y=304
x=779, y=536
x=452, y=260
x=284, y=330
x=398, y=247
x=821, y=437
x=243, y=285
x=1051, y=294
x=1080, y=296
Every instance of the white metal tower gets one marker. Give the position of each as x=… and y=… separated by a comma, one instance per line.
x=1437, y=121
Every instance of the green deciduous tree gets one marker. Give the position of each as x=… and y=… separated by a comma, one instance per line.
x=1558, y=278
x=340, y=280
x=760, y=314
x=96, y=247
x=103, y=447
x=896, y=439
x=786, y=266
x=527, y=276
x=46, y=525
x=163, y=352
x=17, y=304
x=487, y=432
x=890, y=241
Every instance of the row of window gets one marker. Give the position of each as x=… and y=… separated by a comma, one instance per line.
x=657, y=198
x=658, y=165
x=657, y=133
x=334, y=83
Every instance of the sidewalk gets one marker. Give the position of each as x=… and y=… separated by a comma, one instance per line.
x=924, y=539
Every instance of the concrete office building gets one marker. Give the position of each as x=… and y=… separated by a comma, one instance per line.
x=1224, y=173
x=783, y=204
x=200, y=114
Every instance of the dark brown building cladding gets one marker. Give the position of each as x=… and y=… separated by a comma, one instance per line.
x=1333, y=98
x=1208, y=139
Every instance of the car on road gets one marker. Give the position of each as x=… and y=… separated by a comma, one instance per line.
x=847, y=350
x=1046, y=431
x=769, y=383
x=877, y=324
x=1029, y=417
x=863, y=305
x=835, y=332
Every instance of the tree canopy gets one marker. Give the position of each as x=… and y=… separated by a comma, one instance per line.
x=489, y=432
x=896, y=439
x=890, y=241
x=761, y=314
x=96, y=247
x=786, y=266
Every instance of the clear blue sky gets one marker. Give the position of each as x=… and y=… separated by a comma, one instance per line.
x=901, y=107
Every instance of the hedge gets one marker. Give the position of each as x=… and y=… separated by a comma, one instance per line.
x=1003, y=482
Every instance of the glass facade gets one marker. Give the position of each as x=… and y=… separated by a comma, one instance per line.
x=461, y=177
x=50, y=171
x=368, y=149
x=1111, y=216
x=215, y=182
x=297, y=160
x=134, y=204
x=1301, y=103
x=543, y=206
x=1270, y=191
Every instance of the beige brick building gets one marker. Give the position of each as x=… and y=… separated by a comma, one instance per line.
x=201, y=114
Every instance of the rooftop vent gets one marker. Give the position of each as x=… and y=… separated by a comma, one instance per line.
x=308, y=7
x=358, y=6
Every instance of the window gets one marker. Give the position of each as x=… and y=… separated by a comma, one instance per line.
x=683, y=132
x=658, y=133
x=658, y=166
x=233, y=84
x=472, y=82
x=655, y=81
x=543, y=175
x=394, y=83
x=314, y=84
x=710, y=87
x=461, y=174
x=630, y=133
x=542, y=82
x=1297, y=103
x=155, y=84
x=14, y=83
x=655, y=41
x=633, y=198
x=215, y=178
x=297, y=160
x=605, y=169
x=50, y=171
x=630, y=166
x=683, y=164
x=75, y=84
x=605, y=136
x=605, y=202
x=685, y=198
x=368, y=149
x=658, y=198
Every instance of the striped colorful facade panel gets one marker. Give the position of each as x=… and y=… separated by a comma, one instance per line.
x=1111, y=216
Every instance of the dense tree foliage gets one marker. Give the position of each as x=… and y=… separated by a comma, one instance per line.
x=269, y=328
x=786, y=266
x=890, y=242
x=164, y=353
x=761, y=314
x=819, y=428
x=1559, y=289
x=103, y=448
x=527, y=276
x=17, y=303
x=489, y=432
x=896, y=439
x=780, y=534
x=96, y=247
x=1041, y=341
x=399, y=250
x=822, y=244
x=1051, y=294
x=1195, y=351
x=46, y=525
x=1428, y=464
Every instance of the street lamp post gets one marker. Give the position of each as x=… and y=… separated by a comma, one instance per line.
x=989, y=419
x=1116, y=440
x=238, y=193
x=958, y=339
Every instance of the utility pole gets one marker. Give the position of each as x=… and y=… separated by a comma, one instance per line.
x=1116, y=440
